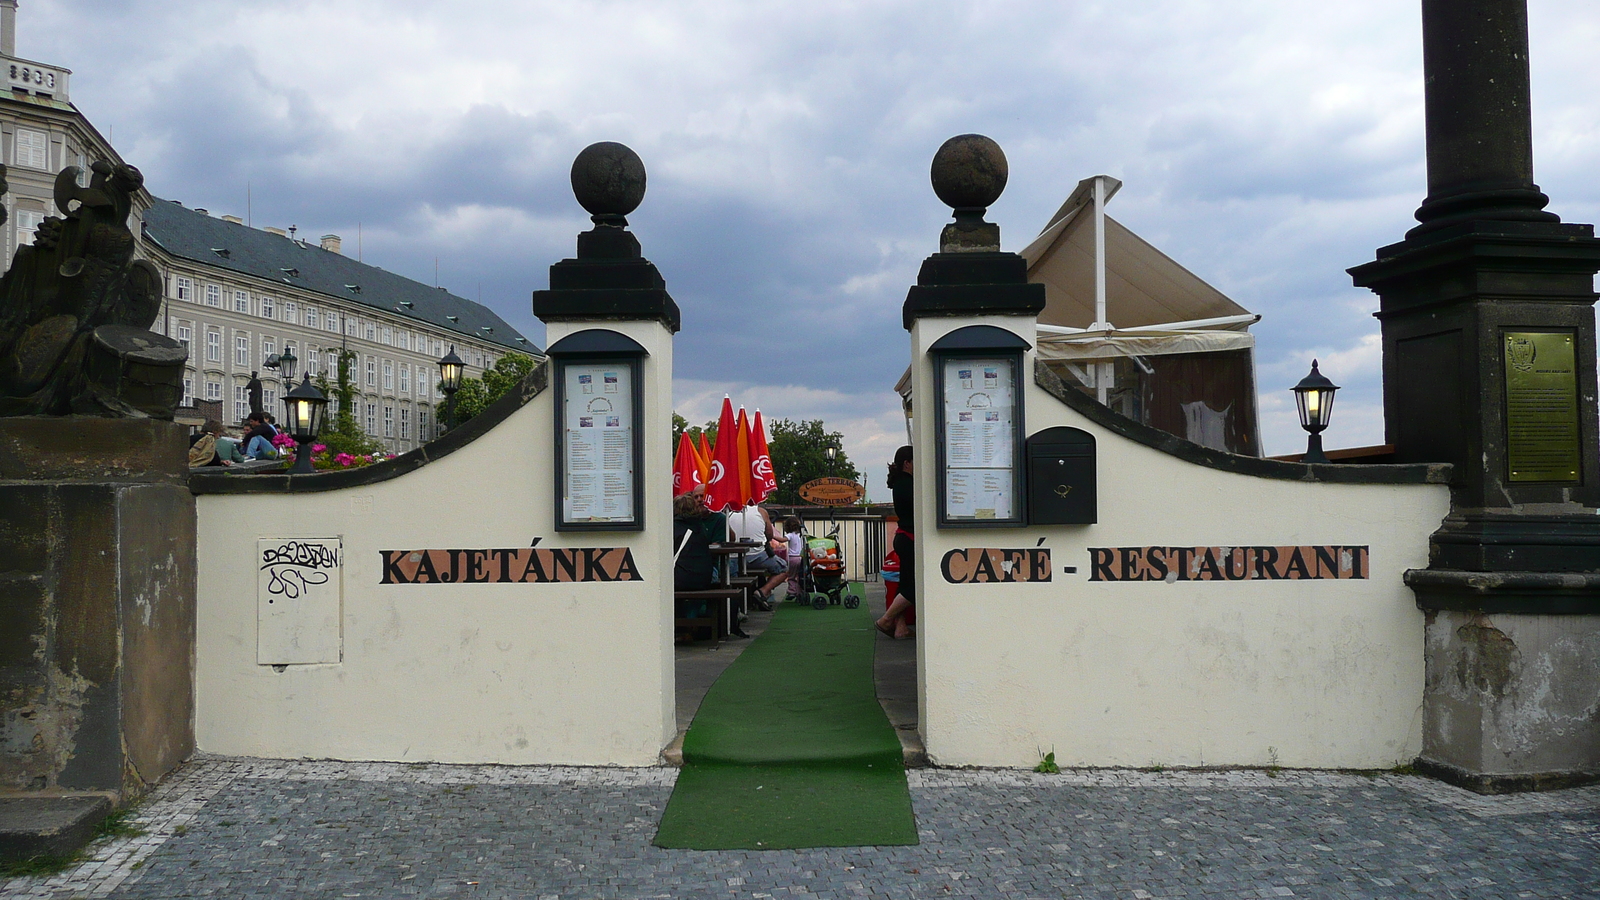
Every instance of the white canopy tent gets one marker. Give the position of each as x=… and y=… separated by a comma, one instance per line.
x=1110, y=295
x=1115, y=302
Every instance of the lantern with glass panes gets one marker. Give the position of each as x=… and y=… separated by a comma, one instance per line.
x=1314, y=397
x=451, y=368
x=304, y=405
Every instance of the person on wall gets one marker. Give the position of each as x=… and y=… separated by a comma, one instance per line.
x=893, y=623
x=258, y=437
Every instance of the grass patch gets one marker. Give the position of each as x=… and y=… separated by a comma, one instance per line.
x=118, y=825
x=41, y=866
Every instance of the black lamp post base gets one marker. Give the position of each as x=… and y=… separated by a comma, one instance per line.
x=1314, y=452
x=302, y=459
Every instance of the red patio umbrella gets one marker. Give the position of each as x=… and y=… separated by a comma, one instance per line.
x=722, y=490
x=686, y=468
x=704, y=452
x=761, y=461
x=748, y=484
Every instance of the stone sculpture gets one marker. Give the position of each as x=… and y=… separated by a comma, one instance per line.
x=75, y=309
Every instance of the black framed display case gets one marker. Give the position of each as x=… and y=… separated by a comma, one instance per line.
x=979, y=427
x=599, y=404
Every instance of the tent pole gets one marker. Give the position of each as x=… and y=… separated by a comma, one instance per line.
x=1103, y=371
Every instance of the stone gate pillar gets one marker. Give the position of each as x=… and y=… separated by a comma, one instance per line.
x=1489, y=364
x=969, y=282
x=611, y=288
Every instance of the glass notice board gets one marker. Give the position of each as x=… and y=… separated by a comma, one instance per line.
x=980, y=431
x=599, y=447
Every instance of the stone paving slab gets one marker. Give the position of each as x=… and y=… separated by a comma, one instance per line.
x=242, y=828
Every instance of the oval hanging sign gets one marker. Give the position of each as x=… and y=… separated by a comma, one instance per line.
x=832, y=492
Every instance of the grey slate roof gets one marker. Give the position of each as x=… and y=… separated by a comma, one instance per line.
x=196, y=236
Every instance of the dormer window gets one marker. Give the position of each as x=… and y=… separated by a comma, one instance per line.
x=453, y=318
x=292, y=273
x=353, y=288
x=220, y=251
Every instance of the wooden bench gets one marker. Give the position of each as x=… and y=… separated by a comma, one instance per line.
x=716, y=617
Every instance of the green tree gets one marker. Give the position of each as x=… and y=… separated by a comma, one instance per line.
x=343, y=433
x=799, y=454
x=475, y=394
x=681, y=425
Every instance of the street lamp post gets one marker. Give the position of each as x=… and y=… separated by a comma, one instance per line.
x=451, y=368
x=1314, y=397
x=305, y=406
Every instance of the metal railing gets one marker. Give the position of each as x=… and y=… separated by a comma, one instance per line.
x=862, y=539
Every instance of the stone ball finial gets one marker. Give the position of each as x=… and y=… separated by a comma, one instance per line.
x=608, y=180
x=969, y=172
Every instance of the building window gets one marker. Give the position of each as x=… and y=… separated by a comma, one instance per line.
x=422, y=383
x=213, y=348
x=388, y=336
x=269, y=399
x=405, y=378
x=184, y=336
x=388, y=377
x=372, y=332
x=350, y=327
x=422, y=424
x=241, y=402
x=388, y=421
x=213, y=296
x=288, y=347
x=32, y=149
x=372, y=418
x=266, y=308
x=405, y=424
x=314, y=362
x=291, y=312
x=28, y=221
x=372, y=373
x=313, y=320
x=185, y=289
x=333, y=322
x=213, y=390
x=241, y=349
x=188, y=389
x=267, y=349
x=241, y=301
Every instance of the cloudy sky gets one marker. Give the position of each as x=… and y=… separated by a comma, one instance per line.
x=1265, y=144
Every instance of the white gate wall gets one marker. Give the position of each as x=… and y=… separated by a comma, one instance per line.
x=576, y=672
x=1316, y=673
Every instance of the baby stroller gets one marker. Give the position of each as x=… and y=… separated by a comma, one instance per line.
x=822, y=574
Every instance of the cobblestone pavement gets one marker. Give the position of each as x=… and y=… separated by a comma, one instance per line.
x=242, y=828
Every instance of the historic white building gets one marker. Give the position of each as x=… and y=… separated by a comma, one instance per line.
x=237, y=295
x=41, y=133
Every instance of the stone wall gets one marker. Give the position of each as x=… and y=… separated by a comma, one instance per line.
x=97, y=574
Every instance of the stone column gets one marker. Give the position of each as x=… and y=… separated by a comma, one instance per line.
x=97, y=604
x=1489, y=364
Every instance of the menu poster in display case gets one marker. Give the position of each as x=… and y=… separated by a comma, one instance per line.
x=598, y=431
x=979, y=434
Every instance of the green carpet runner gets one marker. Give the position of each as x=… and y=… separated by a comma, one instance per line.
x=790, y=748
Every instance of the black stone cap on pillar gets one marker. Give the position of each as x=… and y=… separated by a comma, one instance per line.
x=610, y=278
x=969, y=276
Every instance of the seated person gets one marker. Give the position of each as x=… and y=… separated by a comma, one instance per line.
x=258, y=437
x=208, y=447
x=752, y=524
x=693, y=568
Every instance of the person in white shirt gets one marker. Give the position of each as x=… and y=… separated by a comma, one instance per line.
x=752, y=524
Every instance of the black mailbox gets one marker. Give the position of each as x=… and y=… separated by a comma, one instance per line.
x=1061, y=478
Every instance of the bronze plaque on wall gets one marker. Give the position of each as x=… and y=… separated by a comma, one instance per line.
x=1542, y=436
